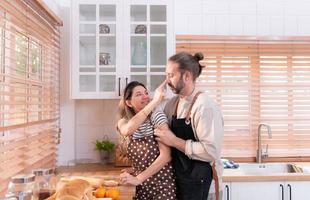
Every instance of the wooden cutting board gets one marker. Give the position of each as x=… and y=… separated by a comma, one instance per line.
x=106, y=172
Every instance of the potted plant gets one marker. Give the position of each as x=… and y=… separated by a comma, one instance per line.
x=105, y=147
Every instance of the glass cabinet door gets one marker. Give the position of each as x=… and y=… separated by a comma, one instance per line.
x=148, y=44
x=138, y=43
x=107, y=48
x=116, y=41
x=158, y=44
x=87, y=37
x=97, y=47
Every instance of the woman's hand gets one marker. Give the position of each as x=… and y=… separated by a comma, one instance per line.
x=160, y=92
x=126, y=178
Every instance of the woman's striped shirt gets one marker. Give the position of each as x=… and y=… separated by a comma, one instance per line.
x=147, y=127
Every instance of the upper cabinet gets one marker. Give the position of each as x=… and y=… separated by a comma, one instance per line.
x=116, y=41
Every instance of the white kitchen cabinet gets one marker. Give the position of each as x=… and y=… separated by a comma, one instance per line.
x=96, y=29
x=256, y=190
x=297, y=190
x=116, y=41
x=269, y=190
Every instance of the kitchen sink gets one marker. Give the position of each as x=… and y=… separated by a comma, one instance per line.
x=266, y=168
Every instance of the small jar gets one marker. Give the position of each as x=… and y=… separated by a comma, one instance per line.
x=42, y=178
x=104, y=59
x=22, y=187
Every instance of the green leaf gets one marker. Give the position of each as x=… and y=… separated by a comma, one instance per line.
x=105, y=145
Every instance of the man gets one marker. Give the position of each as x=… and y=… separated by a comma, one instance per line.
x=196, y=134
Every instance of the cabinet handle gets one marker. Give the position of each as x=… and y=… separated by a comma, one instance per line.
x=119, y=86
x=227, y=192
x=126, y=81
x=282, y=191
x=290, y=191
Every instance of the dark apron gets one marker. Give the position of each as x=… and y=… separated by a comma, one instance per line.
x=193, y=177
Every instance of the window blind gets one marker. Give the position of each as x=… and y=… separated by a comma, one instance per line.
x=29, y=88
x=257, y=80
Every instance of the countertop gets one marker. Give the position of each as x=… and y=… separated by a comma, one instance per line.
x=127, y=192
x=231, y=175
x=236, y=175
x=107, y=172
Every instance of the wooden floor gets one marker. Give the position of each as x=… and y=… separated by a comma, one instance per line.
x=107, y=172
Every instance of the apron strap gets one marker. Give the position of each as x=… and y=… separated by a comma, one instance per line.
x=216, y=182
x=176, y=106
x=188, y=115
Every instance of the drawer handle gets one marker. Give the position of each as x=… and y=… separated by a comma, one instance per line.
x=119, y=86
x=282, y=191
x=227, y=192
x=290, y=191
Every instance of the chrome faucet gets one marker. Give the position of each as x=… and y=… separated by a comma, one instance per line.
x=260, y=154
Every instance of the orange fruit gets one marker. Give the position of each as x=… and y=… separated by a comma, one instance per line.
x=112, y=193
x=100, y=192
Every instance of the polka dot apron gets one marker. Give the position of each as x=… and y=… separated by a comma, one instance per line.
x=161, y=186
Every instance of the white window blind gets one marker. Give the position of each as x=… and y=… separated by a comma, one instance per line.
x=29, y=88
x=257, y=80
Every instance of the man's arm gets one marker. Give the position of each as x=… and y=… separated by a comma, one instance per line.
x=208, y=127
x=167, y=137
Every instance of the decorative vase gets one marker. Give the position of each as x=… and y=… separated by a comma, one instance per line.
x=141, y=28
x=139, y=54
x=104, y=156
x=104, y=59
x=104, y=29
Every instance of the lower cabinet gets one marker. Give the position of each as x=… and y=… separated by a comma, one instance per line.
x=272, y=190
x=256, y=191
x=297, y=190
x=226, y=195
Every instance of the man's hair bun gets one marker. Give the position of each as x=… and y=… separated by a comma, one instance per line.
x=199, y=56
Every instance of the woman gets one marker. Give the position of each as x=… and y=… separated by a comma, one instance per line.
x=152, y=171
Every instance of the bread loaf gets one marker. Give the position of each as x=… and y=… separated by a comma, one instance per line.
x=76, y=189
x=94, y=182
x=110, y=183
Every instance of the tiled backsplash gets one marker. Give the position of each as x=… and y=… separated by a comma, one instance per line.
x=242, y=17
x=94, y=119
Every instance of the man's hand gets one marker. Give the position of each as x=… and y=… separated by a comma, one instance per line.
x=165, y=136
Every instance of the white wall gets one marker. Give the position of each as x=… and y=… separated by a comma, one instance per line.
x=66, y=148
x=243, y=17
x=53, y=5
x=95, y=119
x=83, y=121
